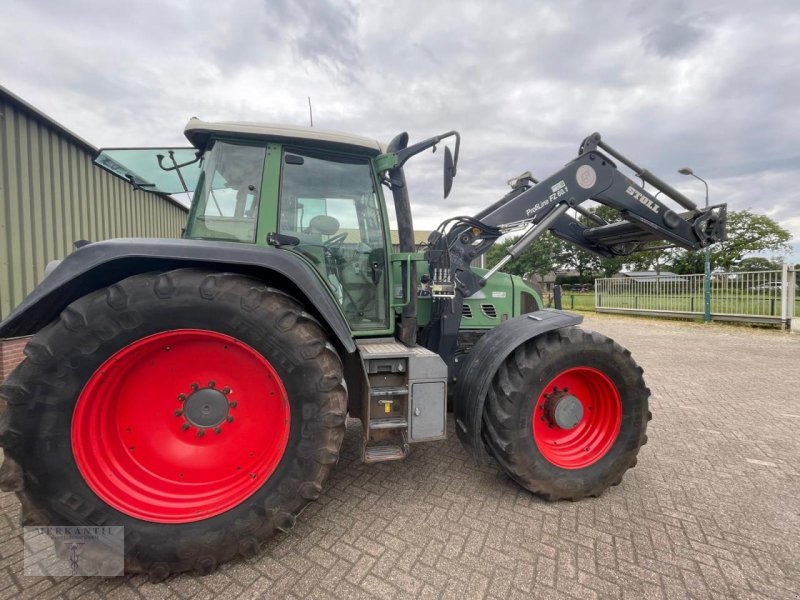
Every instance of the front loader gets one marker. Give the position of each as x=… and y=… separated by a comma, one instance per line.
x=195, y=391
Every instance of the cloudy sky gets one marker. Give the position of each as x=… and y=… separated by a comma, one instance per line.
x=712, y=85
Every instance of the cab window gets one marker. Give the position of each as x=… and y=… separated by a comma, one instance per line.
x=226, y=204
x=330, y=205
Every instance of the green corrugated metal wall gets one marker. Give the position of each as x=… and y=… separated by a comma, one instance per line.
x=51, y=195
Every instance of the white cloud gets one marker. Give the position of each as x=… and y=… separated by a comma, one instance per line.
x=714, y=85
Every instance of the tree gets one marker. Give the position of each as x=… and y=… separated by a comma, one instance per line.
x=749, y=233
x=541, y=257
x=645, y=260
x=611, y=266
x=582, y=261
x=687, y=262
x=757, y=263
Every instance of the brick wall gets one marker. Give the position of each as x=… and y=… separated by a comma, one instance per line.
x=11, y=355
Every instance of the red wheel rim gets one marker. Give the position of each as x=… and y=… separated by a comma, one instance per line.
x=597, y=428
x=145, y=435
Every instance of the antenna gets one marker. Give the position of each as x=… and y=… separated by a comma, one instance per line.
x=310, y=114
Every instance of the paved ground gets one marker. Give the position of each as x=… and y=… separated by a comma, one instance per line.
x=711, y=511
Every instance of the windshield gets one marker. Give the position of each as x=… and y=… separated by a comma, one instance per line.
x=226, y=205
x=141, y=167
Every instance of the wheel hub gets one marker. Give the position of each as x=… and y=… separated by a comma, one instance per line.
x=563, y=410
x=205, y=408
x=577, y=417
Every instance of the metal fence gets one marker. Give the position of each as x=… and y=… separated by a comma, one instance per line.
x=751, y=296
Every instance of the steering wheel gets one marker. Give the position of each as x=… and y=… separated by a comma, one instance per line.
x=335, y=241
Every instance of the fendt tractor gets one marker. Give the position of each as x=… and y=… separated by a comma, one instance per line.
x=195, y=390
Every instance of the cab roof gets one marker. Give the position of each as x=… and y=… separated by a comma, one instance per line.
x=198, y=133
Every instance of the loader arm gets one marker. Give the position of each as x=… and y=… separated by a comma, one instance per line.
x=543, y=206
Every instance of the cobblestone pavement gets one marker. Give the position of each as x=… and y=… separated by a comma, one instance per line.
x=711, y=511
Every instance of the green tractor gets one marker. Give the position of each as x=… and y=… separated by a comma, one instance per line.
x=195, y=391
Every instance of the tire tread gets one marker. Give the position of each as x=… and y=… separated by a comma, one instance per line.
x=28, y=384
x=501, y=418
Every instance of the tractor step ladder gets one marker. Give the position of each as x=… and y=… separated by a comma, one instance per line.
x=405, y=400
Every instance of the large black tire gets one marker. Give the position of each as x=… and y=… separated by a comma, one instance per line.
x=42, y=392
x=517, y=387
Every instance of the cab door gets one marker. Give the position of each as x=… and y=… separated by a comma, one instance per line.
x=329, y=202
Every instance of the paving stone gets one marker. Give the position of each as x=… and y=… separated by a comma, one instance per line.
x=712, y=510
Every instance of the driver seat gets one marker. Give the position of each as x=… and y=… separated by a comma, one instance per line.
x=323, y=224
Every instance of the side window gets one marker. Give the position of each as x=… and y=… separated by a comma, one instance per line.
x=227, y=203
x=330, y=205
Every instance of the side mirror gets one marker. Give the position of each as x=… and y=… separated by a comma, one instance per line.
x=449, y=171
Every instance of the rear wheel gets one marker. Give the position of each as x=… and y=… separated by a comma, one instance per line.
x=566, y=414
x=201, y=411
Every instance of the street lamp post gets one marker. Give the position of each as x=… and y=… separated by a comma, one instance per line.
x=706, y=255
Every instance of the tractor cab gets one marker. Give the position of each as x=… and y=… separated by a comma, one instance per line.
x=307, y=191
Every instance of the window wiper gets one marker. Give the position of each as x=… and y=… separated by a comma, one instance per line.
x=177, y=167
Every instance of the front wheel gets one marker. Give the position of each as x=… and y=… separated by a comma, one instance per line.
x=566, y=414
x=199, y=410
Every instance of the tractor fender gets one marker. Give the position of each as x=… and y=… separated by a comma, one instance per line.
x=100, y=264
x=482, y=363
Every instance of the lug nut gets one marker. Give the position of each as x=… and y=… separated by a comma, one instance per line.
x=226, y=390
x=232, y=404
x=212, y=383
x=185, y=426
x=201, y=432
x=181, y=397
x=194, y=386
x=229, y=419
x=217, y=430
x=178, y=413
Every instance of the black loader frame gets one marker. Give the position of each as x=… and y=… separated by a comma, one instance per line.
x=543, y=206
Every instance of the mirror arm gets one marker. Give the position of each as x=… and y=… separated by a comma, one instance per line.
x=406, y=153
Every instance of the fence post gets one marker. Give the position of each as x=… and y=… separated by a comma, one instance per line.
x=707, y=287
x=787, y=296
x=791, y=310
x=784, y=296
